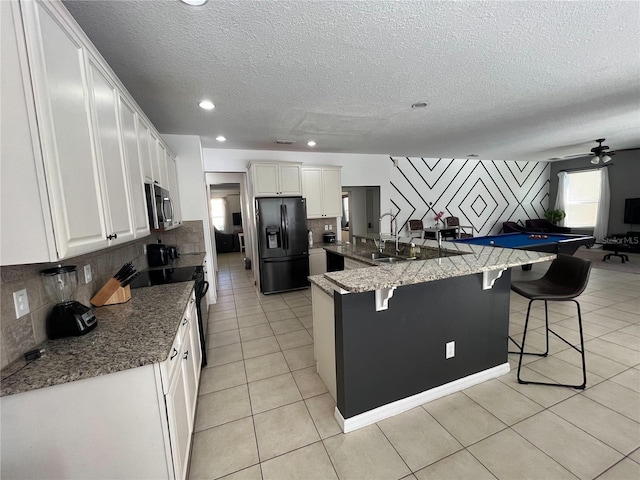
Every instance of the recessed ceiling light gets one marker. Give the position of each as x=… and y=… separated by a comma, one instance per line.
x=311, y=143
x=194, y=3
x=220, y=138
x=207, y=105
x=419, y=105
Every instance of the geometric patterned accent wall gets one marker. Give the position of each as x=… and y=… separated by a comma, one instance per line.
x=481, y=193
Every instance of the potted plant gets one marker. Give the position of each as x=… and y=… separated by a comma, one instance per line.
x=555, y=216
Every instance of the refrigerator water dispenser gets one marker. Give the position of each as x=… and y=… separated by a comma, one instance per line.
x=273, y=237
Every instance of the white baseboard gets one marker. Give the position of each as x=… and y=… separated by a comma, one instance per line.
x=399, y=406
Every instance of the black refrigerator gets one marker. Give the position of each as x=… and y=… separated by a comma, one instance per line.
x=283, y=243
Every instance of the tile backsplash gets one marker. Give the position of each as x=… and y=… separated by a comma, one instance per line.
x=316, y=225
x=19, y=335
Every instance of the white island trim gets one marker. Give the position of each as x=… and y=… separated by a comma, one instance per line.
x=394, y=408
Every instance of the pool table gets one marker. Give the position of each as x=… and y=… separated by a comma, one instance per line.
x=538, y=242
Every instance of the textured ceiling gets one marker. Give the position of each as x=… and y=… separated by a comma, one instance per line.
x=522, y=80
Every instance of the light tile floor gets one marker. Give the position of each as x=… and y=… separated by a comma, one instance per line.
x=263, y=412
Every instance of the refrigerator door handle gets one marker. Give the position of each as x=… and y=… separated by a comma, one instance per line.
x=283, y=227
x=286, y=225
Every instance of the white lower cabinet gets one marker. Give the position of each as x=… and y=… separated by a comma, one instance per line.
x=324, y=334
x=317, y=261
x=132, y=424
x=352, y=264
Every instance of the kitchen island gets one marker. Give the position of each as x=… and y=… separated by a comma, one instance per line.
x=391, y=337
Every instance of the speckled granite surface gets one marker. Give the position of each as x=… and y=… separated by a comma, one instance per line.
x=325, y=285
x=464, y=259
x=129, y=335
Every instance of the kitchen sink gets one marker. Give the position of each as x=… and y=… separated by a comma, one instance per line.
x=385, y=258
x=379, y=256
x=389, y=259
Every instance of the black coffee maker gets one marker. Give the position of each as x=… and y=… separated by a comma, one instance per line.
x=157, y=255
x=68, y=317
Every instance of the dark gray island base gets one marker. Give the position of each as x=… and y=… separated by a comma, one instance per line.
x=386, y=356
x=381, y=333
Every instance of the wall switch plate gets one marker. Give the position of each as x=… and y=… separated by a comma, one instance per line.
x=21, y=302
x=330, y=227
x=451, y=349
x=87, y=274
x=417, y=250
x=326, y=227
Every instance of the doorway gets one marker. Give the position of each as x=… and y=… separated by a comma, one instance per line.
x=362, y=212
x=229, y=214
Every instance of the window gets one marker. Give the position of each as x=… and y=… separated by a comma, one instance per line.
x=582, y=197
x=217, y=213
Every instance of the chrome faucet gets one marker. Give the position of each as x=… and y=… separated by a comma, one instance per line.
x=394, y=229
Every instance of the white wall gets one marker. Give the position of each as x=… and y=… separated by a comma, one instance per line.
x=193, y=191
x=357, y=169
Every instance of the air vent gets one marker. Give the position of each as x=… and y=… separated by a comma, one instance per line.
x=285, y=142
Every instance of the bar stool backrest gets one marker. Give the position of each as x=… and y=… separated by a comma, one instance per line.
x=569, y=274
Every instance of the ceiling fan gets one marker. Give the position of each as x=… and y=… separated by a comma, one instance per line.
x=600, y=153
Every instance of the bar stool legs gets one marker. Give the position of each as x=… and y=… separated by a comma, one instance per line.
x=521, y=351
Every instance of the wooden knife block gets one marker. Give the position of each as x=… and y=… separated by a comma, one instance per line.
x=121, y=295
x=111, y=293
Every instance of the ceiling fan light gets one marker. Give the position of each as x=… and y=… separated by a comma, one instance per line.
x=595, y=160
x=606, y=159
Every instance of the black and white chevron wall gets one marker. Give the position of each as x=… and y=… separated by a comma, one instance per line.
x=481, y=193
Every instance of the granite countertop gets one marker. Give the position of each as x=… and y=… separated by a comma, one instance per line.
x=133, y=334
x=461, y=259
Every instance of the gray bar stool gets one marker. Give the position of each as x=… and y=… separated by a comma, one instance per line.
x=566, y=279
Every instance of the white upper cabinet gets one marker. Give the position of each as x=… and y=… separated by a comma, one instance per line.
x=23, y=196
x=274, y=179
x=111, y=161
x=158, y=162
x=134, y=168
x=172, y=172
x=76, y=148
x=144, y=149
x=57, y=64
x=322, y=187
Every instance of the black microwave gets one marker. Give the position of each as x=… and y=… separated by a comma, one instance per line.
x=159, y=207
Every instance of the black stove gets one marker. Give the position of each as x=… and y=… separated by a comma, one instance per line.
x=162, y=276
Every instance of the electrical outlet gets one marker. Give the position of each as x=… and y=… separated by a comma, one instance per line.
x=363, y=240
x=21, y=302
x=87, y=274
x=450, y=349
x=330, y=227
x=417, y=250
x=326, y=227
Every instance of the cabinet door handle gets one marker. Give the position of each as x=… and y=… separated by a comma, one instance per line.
x=185, y=321
x=112, y=237
x=173, y=354
x=186, y=355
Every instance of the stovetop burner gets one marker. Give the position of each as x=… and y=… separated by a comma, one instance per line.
x=149, y=278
